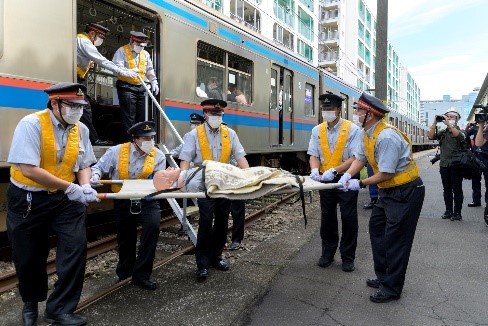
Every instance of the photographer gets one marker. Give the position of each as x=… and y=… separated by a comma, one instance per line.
x=450, y=140
x=471, y=131
x=480, y=141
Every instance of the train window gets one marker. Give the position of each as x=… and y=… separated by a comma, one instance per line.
x=213, y=65
x=274, y=90
x=309, y=100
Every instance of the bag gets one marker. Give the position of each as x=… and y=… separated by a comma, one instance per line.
x=467, y=163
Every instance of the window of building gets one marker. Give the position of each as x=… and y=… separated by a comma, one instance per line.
x=309, y=100
x=215, y=4
x=284, y=11
x=305, y=24
x=308, y=4
x=283, y=36
x=305, y=50
x=361, y=30
x=243, y=12
x=223, y=75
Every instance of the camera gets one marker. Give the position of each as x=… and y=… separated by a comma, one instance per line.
x=439, y=118
x=482, y=116
x=436, y=158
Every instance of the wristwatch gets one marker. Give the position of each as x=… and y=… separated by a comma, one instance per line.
x=361, y=184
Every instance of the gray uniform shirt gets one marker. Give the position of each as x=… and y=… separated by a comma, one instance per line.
x=86, y=52
x=121, y=60
x=191, y=149
x=26, y=145
x=352, y=141
x=109, y=162
x=391, y=151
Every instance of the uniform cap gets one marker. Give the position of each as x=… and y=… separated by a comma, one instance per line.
x=370, y=103
x=330, y=100
x=195, y=117
x=141, y=129
x=139, y=37
x=97, y=28
x=213, y=104
x=70, y=92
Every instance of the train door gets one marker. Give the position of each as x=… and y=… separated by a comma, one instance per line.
x=120, y=17
x=281, y=107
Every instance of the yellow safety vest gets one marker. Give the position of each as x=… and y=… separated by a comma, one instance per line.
x=409, y=174
x=82, y=71
x=132, y=65
x=124, y=156
x=205, y=147
x=333, y=159
x=63, y=170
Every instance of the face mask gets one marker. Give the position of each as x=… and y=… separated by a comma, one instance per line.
x=214, y=121
x=356, y=121
x=147, y=146
x=98, y=41
x=192, y=126
x=137, y=48
x=72, y=116
x=329, y=116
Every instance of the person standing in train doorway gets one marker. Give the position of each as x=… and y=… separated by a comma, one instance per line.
x=138, y=159
x=130, y=91
x=51, y=150
x=212, y=141
x=330, y=149
x=86, y=55
x=395, y=215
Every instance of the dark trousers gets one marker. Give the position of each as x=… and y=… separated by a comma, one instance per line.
x=238, y=213
x=392, y=229
x=140, y=266
x=373, y=189
x=87, y=119
x=29, y=231
x=132, y=102
x=212, y=230
x=476, y=185
x=452, y=182
x=348, y=204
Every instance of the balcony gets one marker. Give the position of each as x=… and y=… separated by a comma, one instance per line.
x=328, y=57
x=328, y=37
x=330, y=3
x=329, y=16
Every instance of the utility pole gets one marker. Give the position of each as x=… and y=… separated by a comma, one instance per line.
x=381, y=85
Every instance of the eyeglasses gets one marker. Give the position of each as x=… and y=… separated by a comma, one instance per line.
x=74, y=106
x=215, y=113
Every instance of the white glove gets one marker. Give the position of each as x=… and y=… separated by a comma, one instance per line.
x=155, y=87
x=353, y=184
x=344, y=179
x=94, y=180
x=314, y=175
x=90, y=193
x=75, y=193
x=329, y=175
x=128, y=73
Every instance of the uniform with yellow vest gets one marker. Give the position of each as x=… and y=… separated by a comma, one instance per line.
x=138, y=159
x=212, y=141
x=331, y=146
x=130, y=91
x=86, y=56
x=401, y=195
x=51, y=151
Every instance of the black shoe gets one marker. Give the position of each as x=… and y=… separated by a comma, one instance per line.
x=486, y=220
x=382, y=297
x=202, y=274
x=100, y=142
x=348, y=266
x=30, y=313
x=371, y=204
x=221, y=265
x=149, y=284
x=65, y=319
x=446, y=215
x=325, y=262
x=473, y=204
x=234, y=245
x=456, y=217
x=373, y=283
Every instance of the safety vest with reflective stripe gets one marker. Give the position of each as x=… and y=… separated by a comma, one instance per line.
x=132, y=64
x=63, y=170
x=409, y=174
x=205, y=147
x=123, y=165
x=333, y=159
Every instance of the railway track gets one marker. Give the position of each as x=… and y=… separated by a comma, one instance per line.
x=255, y=209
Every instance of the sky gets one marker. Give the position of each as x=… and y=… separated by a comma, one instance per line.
x=442, y=43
